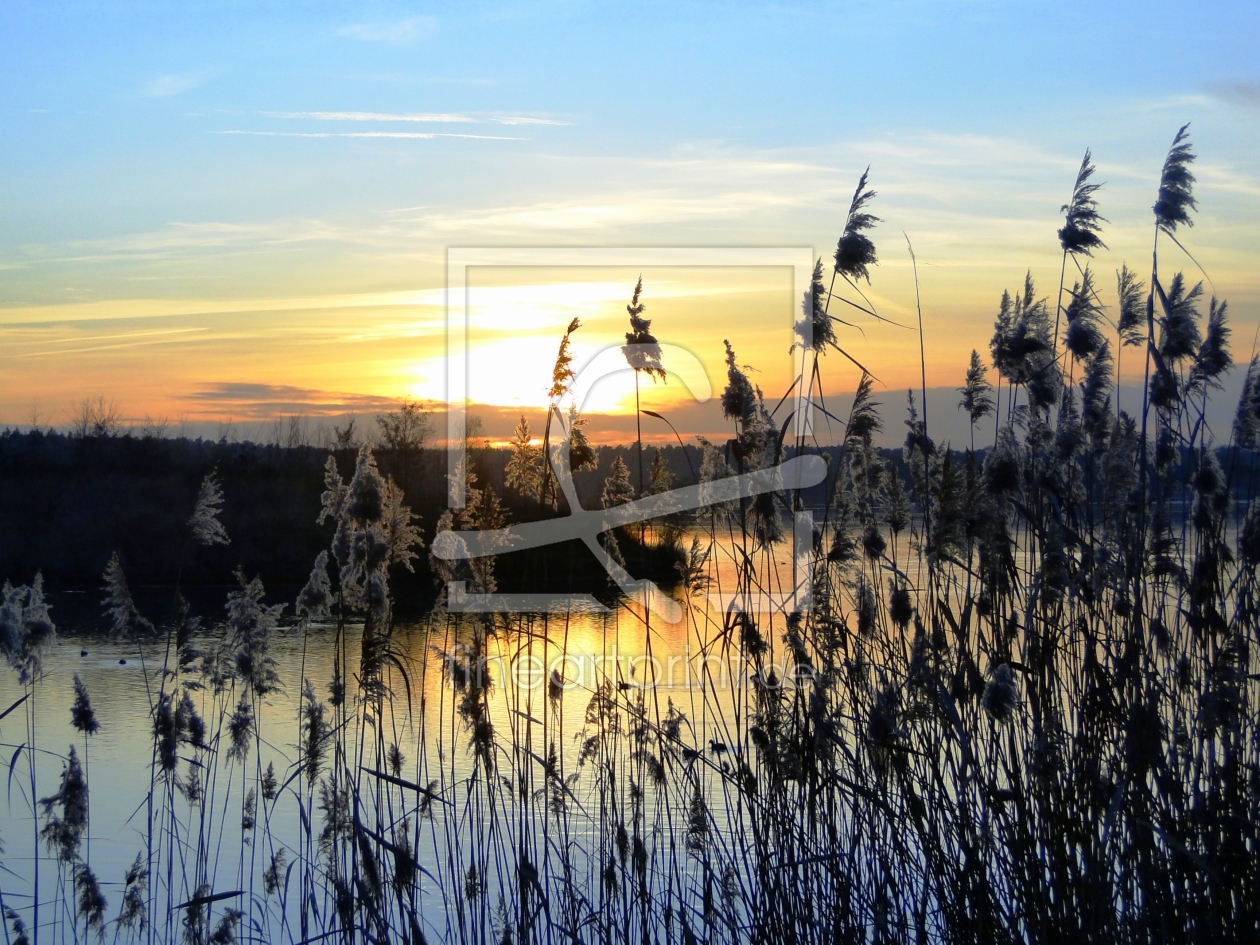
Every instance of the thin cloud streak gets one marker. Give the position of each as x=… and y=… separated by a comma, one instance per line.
x=267, y=400
x=376, y=116
x=76, y=313
x=77, y=339
x=523, y=120
x=164, y=86
x=368, y=134
x=420, y=117
x=114, y=346
x=399, y=33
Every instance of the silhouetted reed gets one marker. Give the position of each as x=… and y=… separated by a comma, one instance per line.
x=1007, y=695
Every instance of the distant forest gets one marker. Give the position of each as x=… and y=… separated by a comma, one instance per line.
x=67, y=502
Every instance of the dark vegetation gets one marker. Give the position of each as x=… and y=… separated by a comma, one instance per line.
x=1020, y=703
x=68, y=502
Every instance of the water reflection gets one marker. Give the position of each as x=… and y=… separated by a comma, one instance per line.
x=542, y=674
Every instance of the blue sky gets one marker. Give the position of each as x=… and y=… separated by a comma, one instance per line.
x=254, y=152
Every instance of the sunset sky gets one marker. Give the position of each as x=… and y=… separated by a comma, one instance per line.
x=243, y=210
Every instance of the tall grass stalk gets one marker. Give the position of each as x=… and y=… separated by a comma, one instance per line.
x=1020, y=706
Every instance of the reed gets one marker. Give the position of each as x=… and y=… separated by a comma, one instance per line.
x=1020, y=703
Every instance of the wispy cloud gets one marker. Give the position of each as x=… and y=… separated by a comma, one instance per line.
x=165, y=86
x=1216, y=176
x=265, y=400
x=1238, y=92
x=404, y=78
x=129, y=310
x=987, y=204
x=418, y=117
x=522, y=120
x=366, y=134
x=397, y=33
x=75, y=344
x=390, y=116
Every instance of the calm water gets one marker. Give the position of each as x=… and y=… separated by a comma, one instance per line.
x=122, y=676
